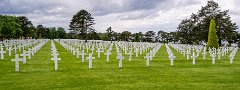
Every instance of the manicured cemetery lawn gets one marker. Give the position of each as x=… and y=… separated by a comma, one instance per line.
x=39, y=72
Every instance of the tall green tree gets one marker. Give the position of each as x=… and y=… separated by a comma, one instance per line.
x=40, y=30
x=104, y=36
x=11, y=27
x=149, y=36
x=137, y=37
x=195, y=29
x=109, y=33
x=125, y=36
x=162, y=36
x=71, y=35
x=212, y=35
x=27, y=26
x=93, y=35
x=115, y=36
x=61, y=32
x=81, y=23
x=52, y=34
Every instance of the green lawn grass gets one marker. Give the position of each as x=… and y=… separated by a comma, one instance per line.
x=39, y=72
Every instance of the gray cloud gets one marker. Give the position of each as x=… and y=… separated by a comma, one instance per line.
x=111, y=6
x=27, y=6
x=108, y=7
x=146, y=9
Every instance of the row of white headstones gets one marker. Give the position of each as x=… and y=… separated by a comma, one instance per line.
x=170, y=55
x=121, y=47
x=31, y=45
x=55, y=55
x=186, y=51
x=77, y=47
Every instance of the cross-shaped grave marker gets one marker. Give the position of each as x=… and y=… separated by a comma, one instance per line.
x=2, y=53
x=31, y=50
x=77, y=52
x=92, y=49
x=184, y=52
x=10, y=51
x=219, y=53
x=15, y=48
x=151, y=55
x=147, y=57
x=120, y=57
x=99, y=52
x=187, y=53
x=194, y=58
x=213, y=55
x=107, y=54
x=83, y=54
x=74, y=50
x=90, y=58
x=171, y=57
x=29, y=54
x=130, y=55
x=204, y=53
x=24, y=54
x=136, y=51
x=55, y=59
x=16, y=60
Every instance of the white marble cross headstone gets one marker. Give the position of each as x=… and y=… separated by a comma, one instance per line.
x=136, y=51
x=87, y=47
x=194, y=58
x=31, y=50
x=24, y=54
x=231, y=58
x=83, y=54
x=10, y=51
x=29, y=54
x=55, y=59
x=19, y=47
x=16, y=60
x=184, y=52
x=171, y=57
x=74, y=51
x=99, y=52
x=219, y=53
x=147, y=57
x=213, y=56
x=77, y=52
x=2, y=53
x=15, y=48
x=204, y=53
x=120, y=57
x=90, y=58
x=107, y=54
x=187, y=53
x=151, y=55
x=92, y=49
x=130, y=55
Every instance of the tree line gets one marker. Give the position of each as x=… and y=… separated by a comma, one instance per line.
x=13, y=27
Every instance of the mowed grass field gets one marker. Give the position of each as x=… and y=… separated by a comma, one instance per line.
x=39, y=72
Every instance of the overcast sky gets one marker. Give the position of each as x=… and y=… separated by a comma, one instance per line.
x=121, y=15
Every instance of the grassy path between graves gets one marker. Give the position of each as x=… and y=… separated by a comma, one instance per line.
x=73, y=74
